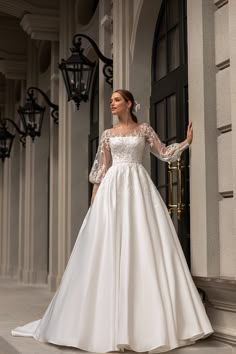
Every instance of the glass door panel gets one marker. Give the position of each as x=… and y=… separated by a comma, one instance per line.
x=169, y=112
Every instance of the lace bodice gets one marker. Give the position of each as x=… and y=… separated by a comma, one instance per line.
x=115, y=148
x=126, y=149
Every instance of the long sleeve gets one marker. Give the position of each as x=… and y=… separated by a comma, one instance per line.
x=168, y=153
x=102, y=160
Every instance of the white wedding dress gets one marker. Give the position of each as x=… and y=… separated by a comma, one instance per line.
x=127, y=283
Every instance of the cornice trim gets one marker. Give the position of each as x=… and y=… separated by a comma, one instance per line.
x=224, y=306
x=13, y=69
x=18, y=8
x=41, y=27
x=12, y=56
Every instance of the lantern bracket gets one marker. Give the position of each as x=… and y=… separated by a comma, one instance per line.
x=108, y=67
x=55, y=107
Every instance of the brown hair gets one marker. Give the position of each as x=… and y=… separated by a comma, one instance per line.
x=127, y=95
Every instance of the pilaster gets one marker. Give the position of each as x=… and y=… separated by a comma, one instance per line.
x=202, y=112
x=232, y=54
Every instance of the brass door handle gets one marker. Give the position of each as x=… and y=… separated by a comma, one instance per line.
x=179, y=207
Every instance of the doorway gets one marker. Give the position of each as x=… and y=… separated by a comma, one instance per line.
x=169, y=112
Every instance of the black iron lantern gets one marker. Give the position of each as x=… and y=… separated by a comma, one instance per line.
x=77, y=70
x=6, y=141
x=31, y=115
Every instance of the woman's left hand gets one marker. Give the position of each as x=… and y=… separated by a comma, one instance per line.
x=190, y=133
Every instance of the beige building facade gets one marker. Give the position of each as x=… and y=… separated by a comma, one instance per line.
x=44, y=189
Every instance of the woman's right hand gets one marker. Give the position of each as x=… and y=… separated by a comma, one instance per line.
x=92, y=198
x=95, y=188
x=190, y=133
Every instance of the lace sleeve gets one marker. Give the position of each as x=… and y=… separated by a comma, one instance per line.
x=168, y=153
x=102, y=160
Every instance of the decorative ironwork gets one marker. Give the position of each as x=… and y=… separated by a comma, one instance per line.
x=78, y=70
x=108, y=67
x=55, y=107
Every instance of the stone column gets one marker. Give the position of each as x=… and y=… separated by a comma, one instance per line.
x=36, y=192
x=53, y=197
x=22, y=186
x=122, y=27
x=9, y=239
x=203, y=153
x=64, y=161
x=14, y=199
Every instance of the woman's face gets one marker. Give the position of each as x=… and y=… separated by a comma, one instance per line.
x=118, y=104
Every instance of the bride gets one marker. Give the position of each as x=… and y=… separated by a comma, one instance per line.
x=127, y=284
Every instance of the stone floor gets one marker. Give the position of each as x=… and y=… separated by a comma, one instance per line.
x=20, y=304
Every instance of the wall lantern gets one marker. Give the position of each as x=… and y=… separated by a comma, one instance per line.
x=32, y=113
x=77, y=70
x=7, y=138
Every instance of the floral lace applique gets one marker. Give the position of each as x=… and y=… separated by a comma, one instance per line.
x=102, y=159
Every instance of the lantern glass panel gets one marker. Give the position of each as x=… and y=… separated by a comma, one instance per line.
x=32, y=117
x=77, y=72
x=34, y=122
x=78, y=79
x=6, y=141
x=3, y=146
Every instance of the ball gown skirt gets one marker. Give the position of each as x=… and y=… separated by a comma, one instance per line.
x=127, y=283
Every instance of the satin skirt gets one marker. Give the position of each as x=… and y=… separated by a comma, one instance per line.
x=127, y=283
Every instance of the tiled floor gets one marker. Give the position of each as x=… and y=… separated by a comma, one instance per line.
x=20, y=304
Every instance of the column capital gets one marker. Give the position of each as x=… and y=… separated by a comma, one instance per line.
x=41, y=27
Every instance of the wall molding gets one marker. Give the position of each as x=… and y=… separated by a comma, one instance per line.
x=12, y=56
x=13, y=69
x=41, y=27
x=18, y=8
x=221, y=335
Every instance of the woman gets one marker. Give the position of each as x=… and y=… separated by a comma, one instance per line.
x=127, y=284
